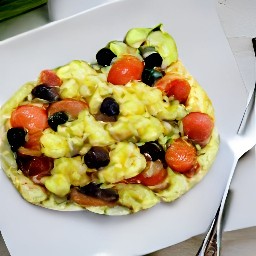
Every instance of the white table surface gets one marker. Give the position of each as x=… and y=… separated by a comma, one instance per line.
x=238, y=18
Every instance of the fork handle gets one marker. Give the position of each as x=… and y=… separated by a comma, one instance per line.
x=212, y=240
x=211, y=245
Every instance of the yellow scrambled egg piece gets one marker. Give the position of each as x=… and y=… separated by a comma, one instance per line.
x=67, y=172
x=125, y=162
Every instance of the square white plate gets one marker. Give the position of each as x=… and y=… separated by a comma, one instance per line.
x=203, y=48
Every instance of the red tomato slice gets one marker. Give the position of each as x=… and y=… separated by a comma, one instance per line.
x=70, y=106
x=162, y=83
x=174, y=86
x=180, y=89
x=181, y=156
x=30, y=117
x=125, y=69
x=153, y=175
x=50, y=78
x=198, y=127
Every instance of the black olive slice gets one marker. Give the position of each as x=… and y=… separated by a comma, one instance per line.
x=94, y=190
x=96, y=157
x=151, y=57
x=152, y=151
x=16, y=138
x=56, y=119
x=109, y=107
x=45, y=92
x=104, y=56
x=153, y=60
x=150, y=76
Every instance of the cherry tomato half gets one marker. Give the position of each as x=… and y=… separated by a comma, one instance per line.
x=198, y=127
x=125, y=69
x=50, y=78
x=174, y=86
x=30, y=117
x=153, y=174
x=181, y=156
x=70, y=106
x=33, y=143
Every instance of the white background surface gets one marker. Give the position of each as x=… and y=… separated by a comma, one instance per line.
x=239, y=21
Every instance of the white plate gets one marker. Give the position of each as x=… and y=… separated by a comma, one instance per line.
x=30, y=230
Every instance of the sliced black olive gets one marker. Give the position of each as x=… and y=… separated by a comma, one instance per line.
x=104, y=56
x=109, y=107
x=151, y=57
x=45, y=92
x=16, y=138
x=94, y=190
x=152, y=151
x=153, y=60
x=56, y=119
x=150, y=76
x=96, y=157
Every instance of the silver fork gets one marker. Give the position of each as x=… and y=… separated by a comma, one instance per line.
x=246, y=136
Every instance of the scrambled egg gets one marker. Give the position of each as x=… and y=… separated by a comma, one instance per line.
x=143, y=117
x=125, y=162
x=67, y=172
